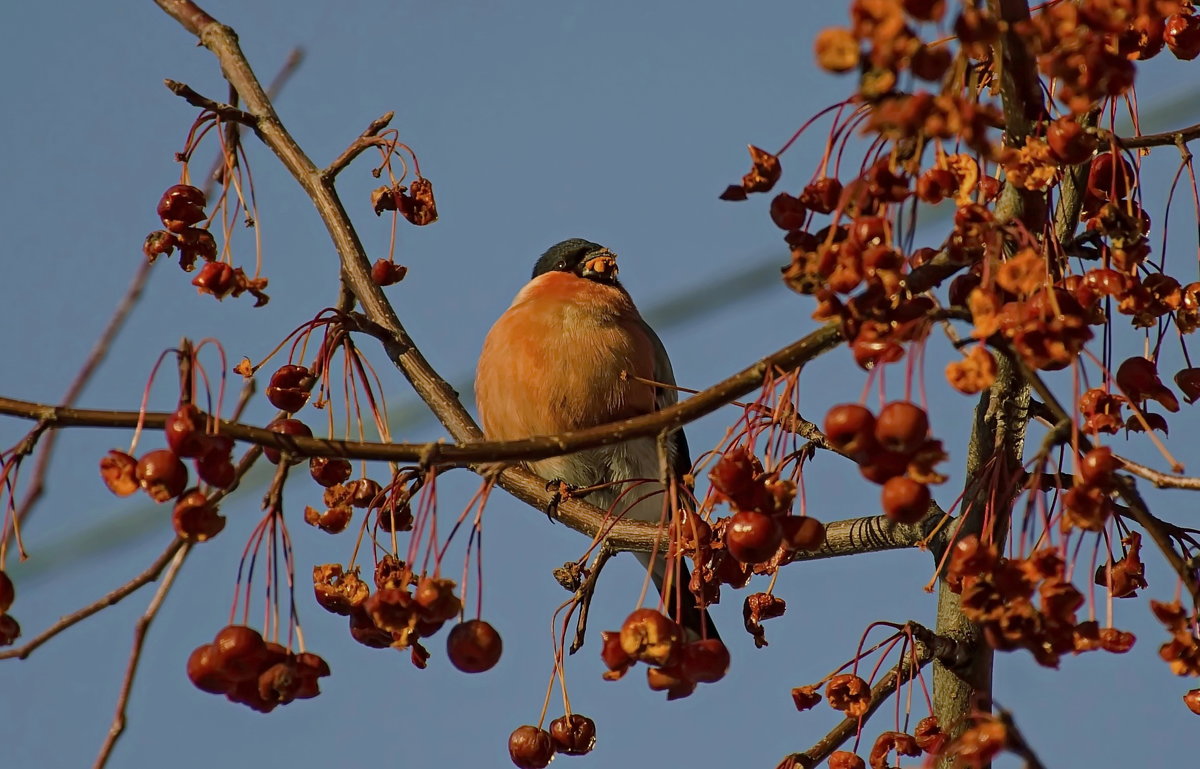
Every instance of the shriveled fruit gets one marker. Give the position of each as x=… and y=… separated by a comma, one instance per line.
x=573, y=735
x=530, y=747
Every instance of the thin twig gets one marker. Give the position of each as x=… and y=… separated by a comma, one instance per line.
x=1160, y=479
x=135, y=656
x=226, y=111
x=99, y=352
x=367, y=139
x=149, y=575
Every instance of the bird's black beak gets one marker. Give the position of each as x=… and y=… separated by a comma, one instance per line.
x=601, y=266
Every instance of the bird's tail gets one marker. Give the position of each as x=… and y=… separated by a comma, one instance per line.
x=681, y=602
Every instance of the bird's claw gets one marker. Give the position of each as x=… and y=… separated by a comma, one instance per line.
x=562, y=490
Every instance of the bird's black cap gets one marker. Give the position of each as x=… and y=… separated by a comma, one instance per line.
x=568, y=256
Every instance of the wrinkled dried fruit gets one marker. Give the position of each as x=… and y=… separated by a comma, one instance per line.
x=573, y=735
x=649, y=636
x=119, y=471
x=530, y=747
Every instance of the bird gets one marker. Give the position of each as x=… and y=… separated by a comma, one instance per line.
x=573, y=352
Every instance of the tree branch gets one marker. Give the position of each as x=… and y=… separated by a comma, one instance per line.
x=473, y=452
x=116, y=596
x=135, y=656
x=367, y=139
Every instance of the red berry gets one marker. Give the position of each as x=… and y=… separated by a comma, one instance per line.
x=880, y=466
x=329, y=471
x=787, y=212
x=7, y=593
x=216, y=278
x=1069, y=141
x=1108, y=180
x=573, y=735
x=1182, y=34
x=822, y=195
x=363, y=491
x=905, y=500
x=1192, y=700
x=705, y=661
x=238, y=652
x=288, y=389
x=195, y=519
x=181, y=206
x=802, y=532
x=753, y=537
x=185, y=431
x=10, y=630
x=385, y=273
x=1188, y=382
x=901, y=427
x=204, y=672
x=285, y=427
x=1098, y=465
x=850, y=428
x=474, y=646
x=530, y=747
x=162, y=475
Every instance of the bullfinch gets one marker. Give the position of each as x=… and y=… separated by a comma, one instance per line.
x=570, y=353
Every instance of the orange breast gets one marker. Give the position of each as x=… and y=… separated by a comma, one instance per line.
x=554, y=360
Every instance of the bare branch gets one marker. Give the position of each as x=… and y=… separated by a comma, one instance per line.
x=226, y=111
x=1157, y=140
x=94, y=359
x=1160, y=479
x=367, y=139
x=116, y=596
x=474, y=452
x=135, y=656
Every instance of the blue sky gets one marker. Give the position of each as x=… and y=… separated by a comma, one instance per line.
x=619, y=122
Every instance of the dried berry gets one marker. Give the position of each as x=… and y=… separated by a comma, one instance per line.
x=573, y=735
x=836, y=49
x=196, y=519
x=385, y=272
x=119, y=471
x=530, y=747
x=181, y=206
x=648, y=636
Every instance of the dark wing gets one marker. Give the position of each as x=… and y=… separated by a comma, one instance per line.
x=681, y=459
x=689, y=614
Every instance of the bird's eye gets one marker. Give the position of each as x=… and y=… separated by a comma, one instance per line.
x=561, y=266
